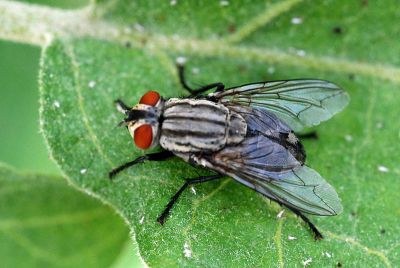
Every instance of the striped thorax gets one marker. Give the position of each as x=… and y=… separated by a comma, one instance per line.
x=191, y=125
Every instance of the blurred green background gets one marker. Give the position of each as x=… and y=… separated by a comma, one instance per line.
x=22, y=145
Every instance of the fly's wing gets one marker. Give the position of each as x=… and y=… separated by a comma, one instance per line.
x=261, y=120
x=300, y=188
x=268, y=168
x=268, y=124
x=255, y=155
x=299, y=103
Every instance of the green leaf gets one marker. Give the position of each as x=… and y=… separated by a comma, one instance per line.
x=223, y=223
x=46, y=223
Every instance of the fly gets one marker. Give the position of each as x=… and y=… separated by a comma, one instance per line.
x=244, y=132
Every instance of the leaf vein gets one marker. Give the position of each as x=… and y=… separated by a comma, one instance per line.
x=278, y=242
x=356, y=152
x=264, y=18
x=366, y=249
x=53, y=220
x=45, y=23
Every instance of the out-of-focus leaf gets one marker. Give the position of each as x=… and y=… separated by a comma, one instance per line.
x=46, y=223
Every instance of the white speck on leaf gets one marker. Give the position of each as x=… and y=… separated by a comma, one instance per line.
x=83, y=170
x=91, y=84
x=141, y=220
x=297, y=20
x=173, y=2
x=195, y=70
x=280, y=214
x=348, y=138
x=138, y=27
x=193, y=190
x=383, y=169
x=379, y=125
x=301, y=53
x=271, y=70
x=187, y=251
x=307, y=262
x=224, y=3
x=181, y=60
x=291, y=237
x=56, y=104
x=328, y=254
x=175, y=37
x=127, y=30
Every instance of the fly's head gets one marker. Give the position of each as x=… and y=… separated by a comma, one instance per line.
x=143, y=120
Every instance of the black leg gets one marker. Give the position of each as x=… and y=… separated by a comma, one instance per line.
x=161, y=219
x=195, y=92
x=317, y=233
x=160, y=156
x=310, y=135
x=121, y=106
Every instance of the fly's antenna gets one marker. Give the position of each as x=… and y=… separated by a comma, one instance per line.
x=122, y=107
x=133, y=115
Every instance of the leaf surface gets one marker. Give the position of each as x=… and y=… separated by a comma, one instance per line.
x=222, y=223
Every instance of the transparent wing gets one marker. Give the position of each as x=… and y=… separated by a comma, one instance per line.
x=301, y=188
x=271, y=170
x=299, y=103
x=268, y=124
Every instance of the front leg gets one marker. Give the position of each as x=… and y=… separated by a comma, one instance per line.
x=160, y=156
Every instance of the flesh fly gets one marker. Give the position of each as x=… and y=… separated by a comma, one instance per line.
x=244, y=132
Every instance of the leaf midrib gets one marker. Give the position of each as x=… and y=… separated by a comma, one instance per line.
x=39, y=25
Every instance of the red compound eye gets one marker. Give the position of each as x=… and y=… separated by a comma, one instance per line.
x=143, y=136
x=150, y=98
